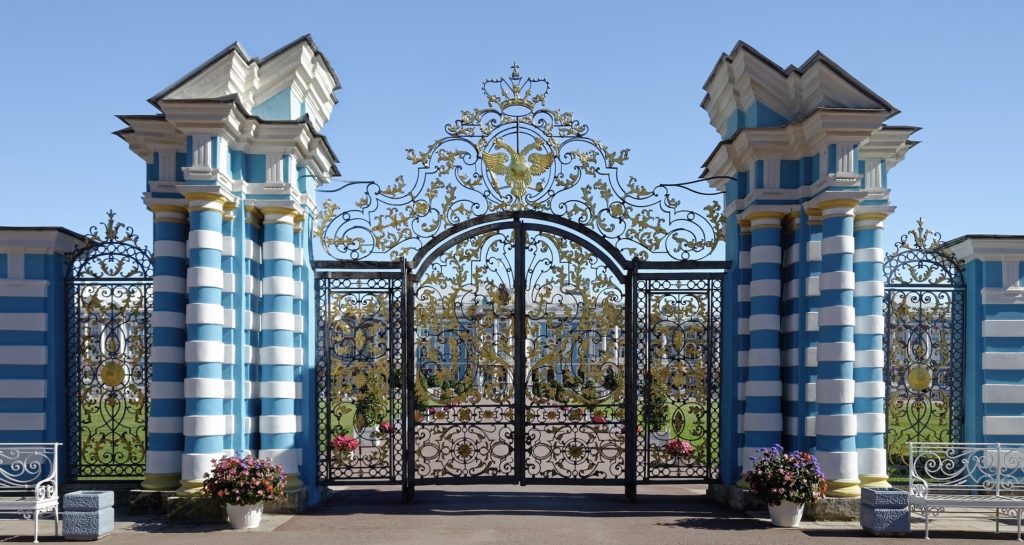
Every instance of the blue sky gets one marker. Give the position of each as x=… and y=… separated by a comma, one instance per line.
x=632, y=70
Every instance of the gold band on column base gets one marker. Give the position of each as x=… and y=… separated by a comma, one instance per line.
x=161, y=481
x=190, y=488
x=874, y=481
x=843, y=489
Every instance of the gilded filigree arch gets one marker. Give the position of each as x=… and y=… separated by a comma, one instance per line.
x=921, y=258
x=516, y=154
x=111, y=251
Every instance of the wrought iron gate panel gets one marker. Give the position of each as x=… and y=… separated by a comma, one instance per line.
x=575, y=361
x=464, y=353
x=924, y=345
x=360, y=345
x=522, y=251
x=679, y=377
x=109, y=290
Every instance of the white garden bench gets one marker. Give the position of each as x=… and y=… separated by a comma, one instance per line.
x=28, y=481
x=967, y=476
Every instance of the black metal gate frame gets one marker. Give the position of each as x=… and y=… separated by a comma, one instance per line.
x=629, y=273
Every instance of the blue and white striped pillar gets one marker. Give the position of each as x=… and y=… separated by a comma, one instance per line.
x=252, y=250
x=167, y=355
x=232, y=300
x=791, y=334
x=762, y=423
x=205, y=424
x=743, y=343
x=810, y=304
x=836, y=423
x=869, y=403
x=280, y=370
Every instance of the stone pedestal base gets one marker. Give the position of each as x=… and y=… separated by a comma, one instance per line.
x=884, y=512
x=738, y=499
x=147, y=502
x=195, y=509
x=88, y=515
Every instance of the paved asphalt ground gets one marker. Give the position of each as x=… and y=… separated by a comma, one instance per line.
x=532, y=515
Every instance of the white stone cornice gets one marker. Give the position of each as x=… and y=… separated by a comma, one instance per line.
x=38, y=240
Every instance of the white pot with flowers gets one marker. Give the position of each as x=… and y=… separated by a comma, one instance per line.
x=786, y=481
x=244, y=484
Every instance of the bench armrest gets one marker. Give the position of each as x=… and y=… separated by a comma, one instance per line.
x=46, y=490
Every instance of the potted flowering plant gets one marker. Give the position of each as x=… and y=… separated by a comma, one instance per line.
x=679, y=449
x=346, y=446
x=786, y=481
x=244, y=484
x=371, y=410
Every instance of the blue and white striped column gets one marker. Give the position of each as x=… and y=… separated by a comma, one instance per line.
x=299, y=269
x=836, y=423
x=762, y=423
x=167, y=355
x=206, y=426
x=811, y=301
x=869, y=402
x=791, y=331
x=743, y=343
x=253, y=259
x=233, y=302
x=280, y=373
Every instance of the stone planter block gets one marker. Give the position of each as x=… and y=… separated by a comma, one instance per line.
x=88, y=526
x=884, y=498
x=85, y=501
x=884, y=522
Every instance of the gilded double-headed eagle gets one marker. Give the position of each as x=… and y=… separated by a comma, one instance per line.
x=514, y=166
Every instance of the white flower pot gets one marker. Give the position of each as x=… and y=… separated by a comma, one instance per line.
x=787, y=515
x=244, y=516
x=369, y=437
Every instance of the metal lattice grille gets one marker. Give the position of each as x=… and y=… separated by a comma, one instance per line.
x=109, y=291
x=924, y=346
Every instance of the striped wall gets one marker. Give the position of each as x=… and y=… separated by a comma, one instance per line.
x=791, y=248
x=811, y=300
x=743, y=346
x=32, y=362
x=994, y=366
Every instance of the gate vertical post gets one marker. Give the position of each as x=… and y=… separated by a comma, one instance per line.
x=409, y=364
x=519, y=329
x=631, y=379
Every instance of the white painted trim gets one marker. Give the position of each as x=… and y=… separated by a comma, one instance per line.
x=762, y=422
x=23, y=389
x=765, y=322
x=842, y=425
x=208, y=425
x=163, y=318
x=1003, y=361
x=872, y=461
x=278, y=285
x=1003, y=425
x=872, y=359
x=167, y=354
x=766, y=288
x=871, y=423
x=836, y=390
x=763, y=357
x=277, y=355
x=1002, y=328
x=280, y=424
x=870, y=325
x=837, y=280
x=763, y=388
x=838, y=244
x=869, y=288
x=169, y=248
x=23, y=288
x=841, y=316
x=765, y=254
x=204, y=351
x=205, y=240
x=169, y=284
x=868, y=255
x=1000, y=393
x=870, y=389
x=814, y=250
x=22, y=355
x=205, y=277
x=23, y=321
x=836, y=352
x=165, y=424
x=166, y=390
x=22, y=421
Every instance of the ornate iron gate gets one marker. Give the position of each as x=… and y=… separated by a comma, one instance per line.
x=924, y=345
x=559, y=325
x=109, y=288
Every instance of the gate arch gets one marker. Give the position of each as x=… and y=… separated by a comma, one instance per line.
x=925, y=304
x=109, y=287
x=587, y=333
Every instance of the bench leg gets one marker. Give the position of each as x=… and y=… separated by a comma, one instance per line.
x=1018, y=523
x=56, y=522
x=35, y=537
x=997, y=520
x=927, y=517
